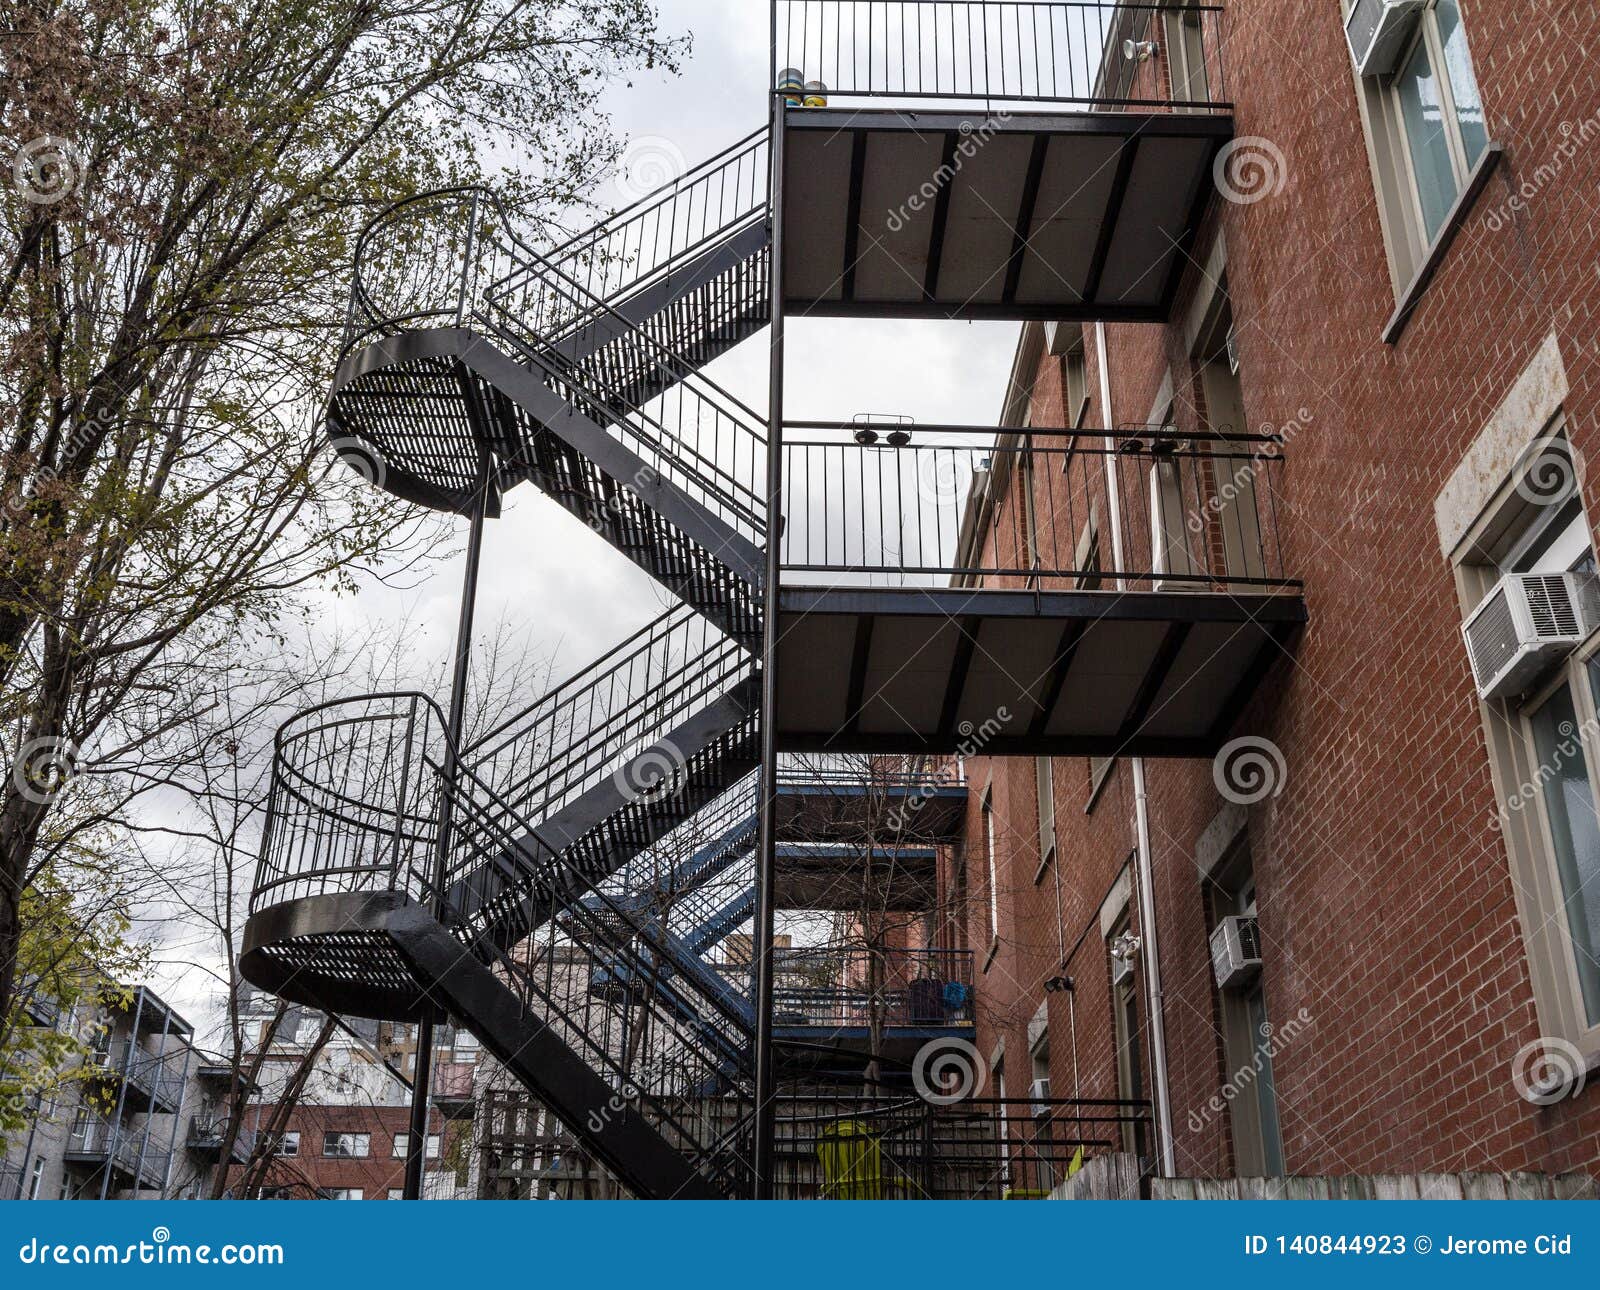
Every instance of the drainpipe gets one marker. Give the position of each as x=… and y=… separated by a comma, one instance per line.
x=1141, y=811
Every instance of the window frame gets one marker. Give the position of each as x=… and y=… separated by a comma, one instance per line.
x=1044, y=779
x=1508, y=528
x=992, y=867
x=361, y=1139
x=402, y=1144
x=1427, y=36
x=1574, y=676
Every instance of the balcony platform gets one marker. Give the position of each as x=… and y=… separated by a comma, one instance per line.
x=838, y=877
x=844, y=809
x=1023, y=673
x=1061, y=216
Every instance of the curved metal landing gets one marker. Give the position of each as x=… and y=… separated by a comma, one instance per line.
x=334, y=952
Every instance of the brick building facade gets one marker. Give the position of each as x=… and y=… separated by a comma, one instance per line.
x=1402, y=286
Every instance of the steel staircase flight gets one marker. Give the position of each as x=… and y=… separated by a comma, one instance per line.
x=468, y=351
x=473, y=361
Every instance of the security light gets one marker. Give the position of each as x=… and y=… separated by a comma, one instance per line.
x=1138, y=51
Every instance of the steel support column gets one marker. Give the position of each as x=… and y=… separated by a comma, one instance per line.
x=766, y=854
x=422, y=1066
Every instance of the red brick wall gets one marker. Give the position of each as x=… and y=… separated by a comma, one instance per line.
x=376, y=1174
x=1386, y=902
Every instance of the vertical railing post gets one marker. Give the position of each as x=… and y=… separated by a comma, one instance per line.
x=466, y=260
x=766, y=859
x=422, y=1066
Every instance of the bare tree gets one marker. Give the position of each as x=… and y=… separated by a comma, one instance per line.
x=190, y=181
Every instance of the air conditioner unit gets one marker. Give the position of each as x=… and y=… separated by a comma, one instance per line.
x=1039, y=1095
x=1528, y=623
x=1121, y=970
x=1378, y=30
x=1236, y=950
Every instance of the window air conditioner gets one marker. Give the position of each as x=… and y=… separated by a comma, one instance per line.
x=1529, y=622
x=1039, y=1095
x=1378, y=30
x=1121, y=970
x=1236, y=951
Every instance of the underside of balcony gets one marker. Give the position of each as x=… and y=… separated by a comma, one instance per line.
x=1022, y=673
x=1061, y=216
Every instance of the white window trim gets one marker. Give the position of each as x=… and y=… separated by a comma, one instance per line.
x=1535, y=879
x=1412, y=257
x=992, y=865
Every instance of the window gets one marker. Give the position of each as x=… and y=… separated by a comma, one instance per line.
x=36, y=1179
x=402, y=1144
x=1045, y=778
x=1126, y=1035
x=395, y=1193
x=1441, y=117
x=340, y=1193
x=1247, y=1033
x=1185, y=49
x=1428, y=134
x=1545, y=751
x=1030, y=511
x=1560, y=725
x=288, y=1144
x=992, y=869
x=346, y=1146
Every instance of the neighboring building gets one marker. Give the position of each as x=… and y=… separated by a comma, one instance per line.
x=1377, y=927
x=345, y=1137
x=123, y=1126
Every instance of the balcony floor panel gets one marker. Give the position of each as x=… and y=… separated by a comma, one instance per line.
x=839, y=878
x=831, y=811
x=1055, y=674
x=919, y=214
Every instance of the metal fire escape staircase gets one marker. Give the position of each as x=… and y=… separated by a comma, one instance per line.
x=473, y=361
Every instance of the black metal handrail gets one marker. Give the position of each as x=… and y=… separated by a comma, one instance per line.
x=836, y=987
x=357, y=784
x=1099, y=54
x=1032, y=509
x=452, y=258
x=637, y=245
